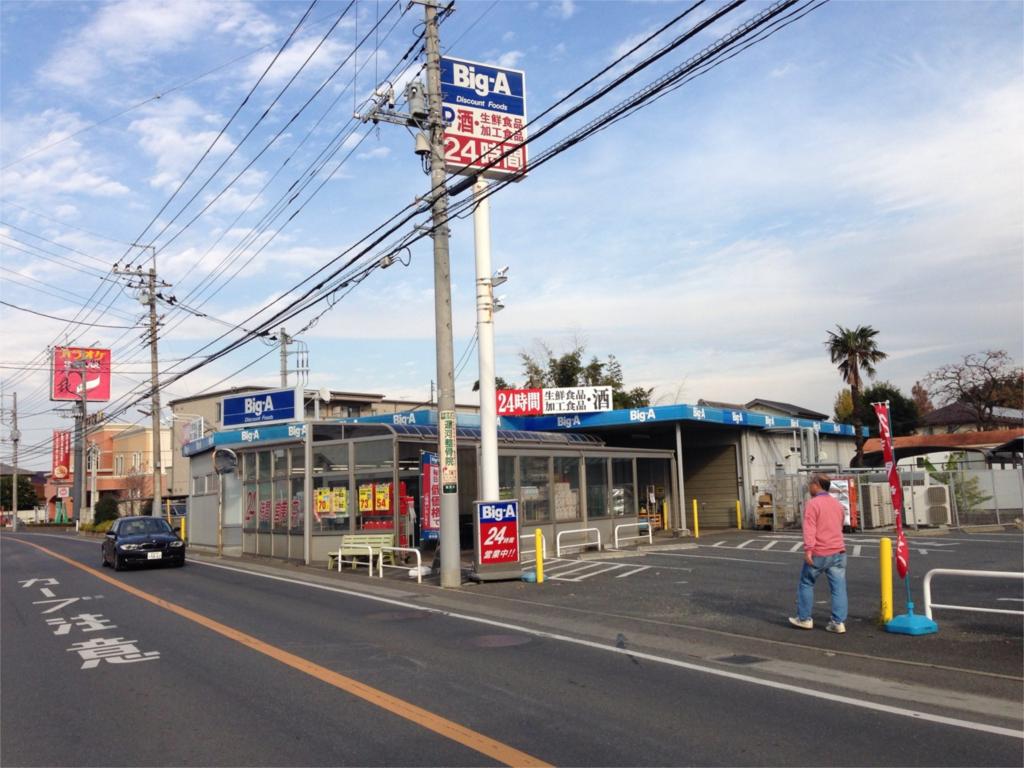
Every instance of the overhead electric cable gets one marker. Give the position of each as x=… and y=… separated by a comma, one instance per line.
x=62, y=319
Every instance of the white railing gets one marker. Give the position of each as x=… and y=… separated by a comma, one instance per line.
x=419, y=561
x=369, y=551
x=928, y=604
x=585, y=544
x=531, y=537
x=640, y=535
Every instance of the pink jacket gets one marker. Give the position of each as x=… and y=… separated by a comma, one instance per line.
x=823, y=526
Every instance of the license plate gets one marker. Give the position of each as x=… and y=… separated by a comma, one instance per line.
x=154, y=555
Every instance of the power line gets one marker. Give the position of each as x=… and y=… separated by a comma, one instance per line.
x=63, y=319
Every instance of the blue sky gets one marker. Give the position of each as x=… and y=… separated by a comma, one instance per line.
x=861, y=166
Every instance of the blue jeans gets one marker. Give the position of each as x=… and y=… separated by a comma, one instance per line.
x=834, y=567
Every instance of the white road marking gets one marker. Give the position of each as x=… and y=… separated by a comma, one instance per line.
x=715, y=557
x=591, y=574
x=741, y=546
x=637, y=570
x=718, y=544
x=1010, y=599
x=856, y=550
x=799, y=690
x=769, y=545
x=798, y=545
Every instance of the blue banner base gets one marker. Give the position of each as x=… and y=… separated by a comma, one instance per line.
x=911, y=624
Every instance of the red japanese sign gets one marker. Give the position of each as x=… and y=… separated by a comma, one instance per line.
x=520, y=402
x=75, y=366
x=61, y=466
x=430, y=503
x=895, y=486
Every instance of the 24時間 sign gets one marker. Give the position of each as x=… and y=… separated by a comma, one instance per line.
x=540, y=402
x=484, y=112
x=75, y=366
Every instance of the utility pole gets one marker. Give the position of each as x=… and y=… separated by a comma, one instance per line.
x=15, y=437
x=81, y=484
x=148, y=285
x=283, y=338
x=430, y=144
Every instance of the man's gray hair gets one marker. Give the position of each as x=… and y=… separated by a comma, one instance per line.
x=822, y=480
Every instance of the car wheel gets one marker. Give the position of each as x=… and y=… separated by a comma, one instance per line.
x=103, y=560
x=118, y=563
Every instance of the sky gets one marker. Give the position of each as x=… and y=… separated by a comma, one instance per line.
x=862, y=166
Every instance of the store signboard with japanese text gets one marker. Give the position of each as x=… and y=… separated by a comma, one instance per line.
x=61, y=465
x=497, y=532
x=73, y=366
x=541, y=402
x=430, y=503
x=270, y=407
x=484, y=112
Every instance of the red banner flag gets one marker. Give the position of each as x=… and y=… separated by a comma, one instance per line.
x=895, y=487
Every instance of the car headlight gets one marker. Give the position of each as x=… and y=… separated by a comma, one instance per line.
x=177, y=543
x=129, y=546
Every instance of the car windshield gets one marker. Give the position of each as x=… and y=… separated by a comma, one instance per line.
x=142, y=527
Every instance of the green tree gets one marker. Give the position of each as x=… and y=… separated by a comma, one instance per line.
x=26, y=493
x=903, y=411
x=854, y=350
x=842, y=407
x=105, y=509
x=569, y=370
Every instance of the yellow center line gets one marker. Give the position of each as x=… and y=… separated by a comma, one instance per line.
x=442, y=726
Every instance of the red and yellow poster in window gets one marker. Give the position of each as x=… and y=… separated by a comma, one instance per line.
x=382, y=497
x=366, y=498
x=339, y=501
x=323, y=501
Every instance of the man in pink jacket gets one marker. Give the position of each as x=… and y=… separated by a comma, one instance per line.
x=824, y=552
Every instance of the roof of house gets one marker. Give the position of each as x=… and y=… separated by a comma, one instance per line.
x=787, y=408
x=962, y=413
x=914, y=445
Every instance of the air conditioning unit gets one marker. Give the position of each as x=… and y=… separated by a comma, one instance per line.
x=879, y=506
x=928, y=505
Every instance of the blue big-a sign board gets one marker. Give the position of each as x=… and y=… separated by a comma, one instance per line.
x=267, y=407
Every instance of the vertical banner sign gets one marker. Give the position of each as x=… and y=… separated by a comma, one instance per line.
x=497, y=532
x=61, y=465
x=895, y=486
x=68, y=371
x=449, y=454
x=430, y=504
x=484, y=113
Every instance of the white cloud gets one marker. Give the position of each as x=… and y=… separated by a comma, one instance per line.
x=124, y=34
x=563, y=9
x=510, y=59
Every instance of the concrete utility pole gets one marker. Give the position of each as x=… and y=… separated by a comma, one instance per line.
x=81, y=484
x=15, y=437
x=283, y=338
x=149, y=298
x=427, y=118
x=451, y=567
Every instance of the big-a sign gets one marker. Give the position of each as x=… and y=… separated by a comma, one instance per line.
x=484, y=112
x=269, y=407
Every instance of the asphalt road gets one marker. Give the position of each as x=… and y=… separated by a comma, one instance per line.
x=308, y=671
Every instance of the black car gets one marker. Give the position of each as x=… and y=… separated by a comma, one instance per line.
x=142, y=541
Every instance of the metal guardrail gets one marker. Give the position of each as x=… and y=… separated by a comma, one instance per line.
x=928, y=604
x=585, y=544
x=639, y=526
x=532, y=537
x=419, y=561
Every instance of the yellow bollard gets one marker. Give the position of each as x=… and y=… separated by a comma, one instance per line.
x=885, y=577
x=696, y=522
x=739, y=516
x=183, y=531
x=538, y=543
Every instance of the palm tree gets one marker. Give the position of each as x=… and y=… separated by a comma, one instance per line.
x=855, y=350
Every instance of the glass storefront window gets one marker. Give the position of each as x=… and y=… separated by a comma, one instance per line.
x=567, y=488
x=597, y=488
x=266, y=501
x=534, y=482
x=506, y=477
x=248, y=461
x=330, y=458
x=250, y=505
x=280, y=456
x=375, y=498
x=263, y=465
x=296, y=506
x=623, y=488
x=298, y=460
x=281, y=498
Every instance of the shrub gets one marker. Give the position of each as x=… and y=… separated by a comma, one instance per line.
x=105, y=510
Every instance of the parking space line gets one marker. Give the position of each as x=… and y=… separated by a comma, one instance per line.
x=769, y=545
x=597, y=573
x=748, y=541
x=795, y=547
x=635, y=570
x=716, y=557
x=856, y=550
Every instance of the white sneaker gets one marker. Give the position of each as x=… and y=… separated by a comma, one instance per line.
x=802, y=623
x=835, y=626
